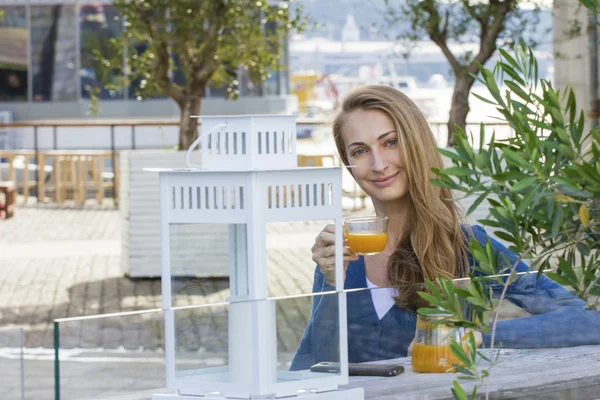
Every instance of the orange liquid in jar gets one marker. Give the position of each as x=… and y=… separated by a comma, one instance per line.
x=366, y=243
x=436, y=359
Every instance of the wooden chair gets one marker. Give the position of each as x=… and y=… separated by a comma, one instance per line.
x=10, y=198
x=320, y=160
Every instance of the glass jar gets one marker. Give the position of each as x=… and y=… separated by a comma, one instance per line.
x=431, y=348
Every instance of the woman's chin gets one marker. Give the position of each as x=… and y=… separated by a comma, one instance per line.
x=389, y=198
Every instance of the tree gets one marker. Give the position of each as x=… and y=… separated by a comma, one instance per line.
x=488, y=23
x=178, y=47
x=543, y=191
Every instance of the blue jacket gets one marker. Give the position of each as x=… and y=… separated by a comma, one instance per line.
x=558, y=318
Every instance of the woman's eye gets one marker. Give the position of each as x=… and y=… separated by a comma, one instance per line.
x=358, y=152
x=391, y=142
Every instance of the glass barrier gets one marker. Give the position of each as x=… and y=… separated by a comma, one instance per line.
x=12, y=363
x=26, y=363
x=216, y=344
x=108, y=356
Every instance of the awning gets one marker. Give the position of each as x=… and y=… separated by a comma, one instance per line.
x=13, y=48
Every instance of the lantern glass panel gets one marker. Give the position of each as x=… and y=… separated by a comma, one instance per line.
x=216, y=344
x=200, y=256
x=290, y=268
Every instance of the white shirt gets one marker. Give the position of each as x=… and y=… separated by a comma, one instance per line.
x=383, y=298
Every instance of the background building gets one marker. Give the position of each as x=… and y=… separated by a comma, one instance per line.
x=46, y=67
x=574, y=56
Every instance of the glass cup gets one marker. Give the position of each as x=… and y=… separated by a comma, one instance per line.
x=431, y=349
x=366, y=235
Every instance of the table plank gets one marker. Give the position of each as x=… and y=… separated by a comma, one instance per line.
x=565, y=373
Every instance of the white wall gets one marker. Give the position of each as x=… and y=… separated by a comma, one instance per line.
x=158, y=108
x=571, y=52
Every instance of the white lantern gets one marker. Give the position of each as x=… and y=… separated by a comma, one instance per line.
x=249, y=177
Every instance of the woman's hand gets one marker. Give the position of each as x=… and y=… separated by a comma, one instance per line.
x=323, y=253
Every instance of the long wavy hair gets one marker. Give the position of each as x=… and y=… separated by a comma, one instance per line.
x=435, y=245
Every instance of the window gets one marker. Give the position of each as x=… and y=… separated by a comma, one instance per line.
x=53, y=53
x=13, y=53
x=98, y=24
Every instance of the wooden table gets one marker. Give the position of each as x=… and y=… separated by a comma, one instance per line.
x=70, y=171
x=10, y=155
x=10, y=198
x=542, y=374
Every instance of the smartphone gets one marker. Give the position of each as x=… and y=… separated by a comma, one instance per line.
x=356, y=369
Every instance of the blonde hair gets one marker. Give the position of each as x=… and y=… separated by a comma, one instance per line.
x=436, y=246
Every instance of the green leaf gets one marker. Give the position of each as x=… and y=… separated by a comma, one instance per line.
x=458, y=351
x=509, y=176
x=477, y=301
x=457, y=171
x=505, y=236
x=428, y=311
x=458, y=392
x=524, y=184
x=565, y=267
x=464, y=370
x=478, y=201
x=583, y=248
x=443, y=184
x=566, y=151
x=432, y=288
x=431, y=299
x=512, y=73
x=509, y=58
x=515, y=158
x=559, y=279
x=518, y=91
x=571, y=106
x=453, y=156
x=491, y=222
x=527, y=200
x=557, y=220
x=490, y=83
x=484, y=99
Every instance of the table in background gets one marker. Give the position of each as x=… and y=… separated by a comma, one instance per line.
x=75, y=170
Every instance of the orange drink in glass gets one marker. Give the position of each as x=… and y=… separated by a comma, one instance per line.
x=366, y=235
x=431, y=349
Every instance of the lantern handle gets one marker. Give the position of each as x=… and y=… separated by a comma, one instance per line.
x=197, y=142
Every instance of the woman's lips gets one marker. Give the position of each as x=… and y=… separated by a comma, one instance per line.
x=385, y=181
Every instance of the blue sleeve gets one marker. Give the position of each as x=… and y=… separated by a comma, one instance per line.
x=558, y=318
x=320, y=341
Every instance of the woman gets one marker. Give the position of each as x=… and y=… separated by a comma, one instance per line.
x=384, y=136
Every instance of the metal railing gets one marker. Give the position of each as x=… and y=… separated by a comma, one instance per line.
x=439, y=129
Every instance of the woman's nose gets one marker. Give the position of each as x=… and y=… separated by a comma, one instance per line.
x=379, y=162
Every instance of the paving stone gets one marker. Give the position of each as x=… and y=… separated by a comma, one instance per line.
x=68, y=266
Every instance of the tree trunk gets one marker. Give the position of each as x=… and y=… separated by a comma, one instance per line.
x=460, y=106
x=188, y=126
